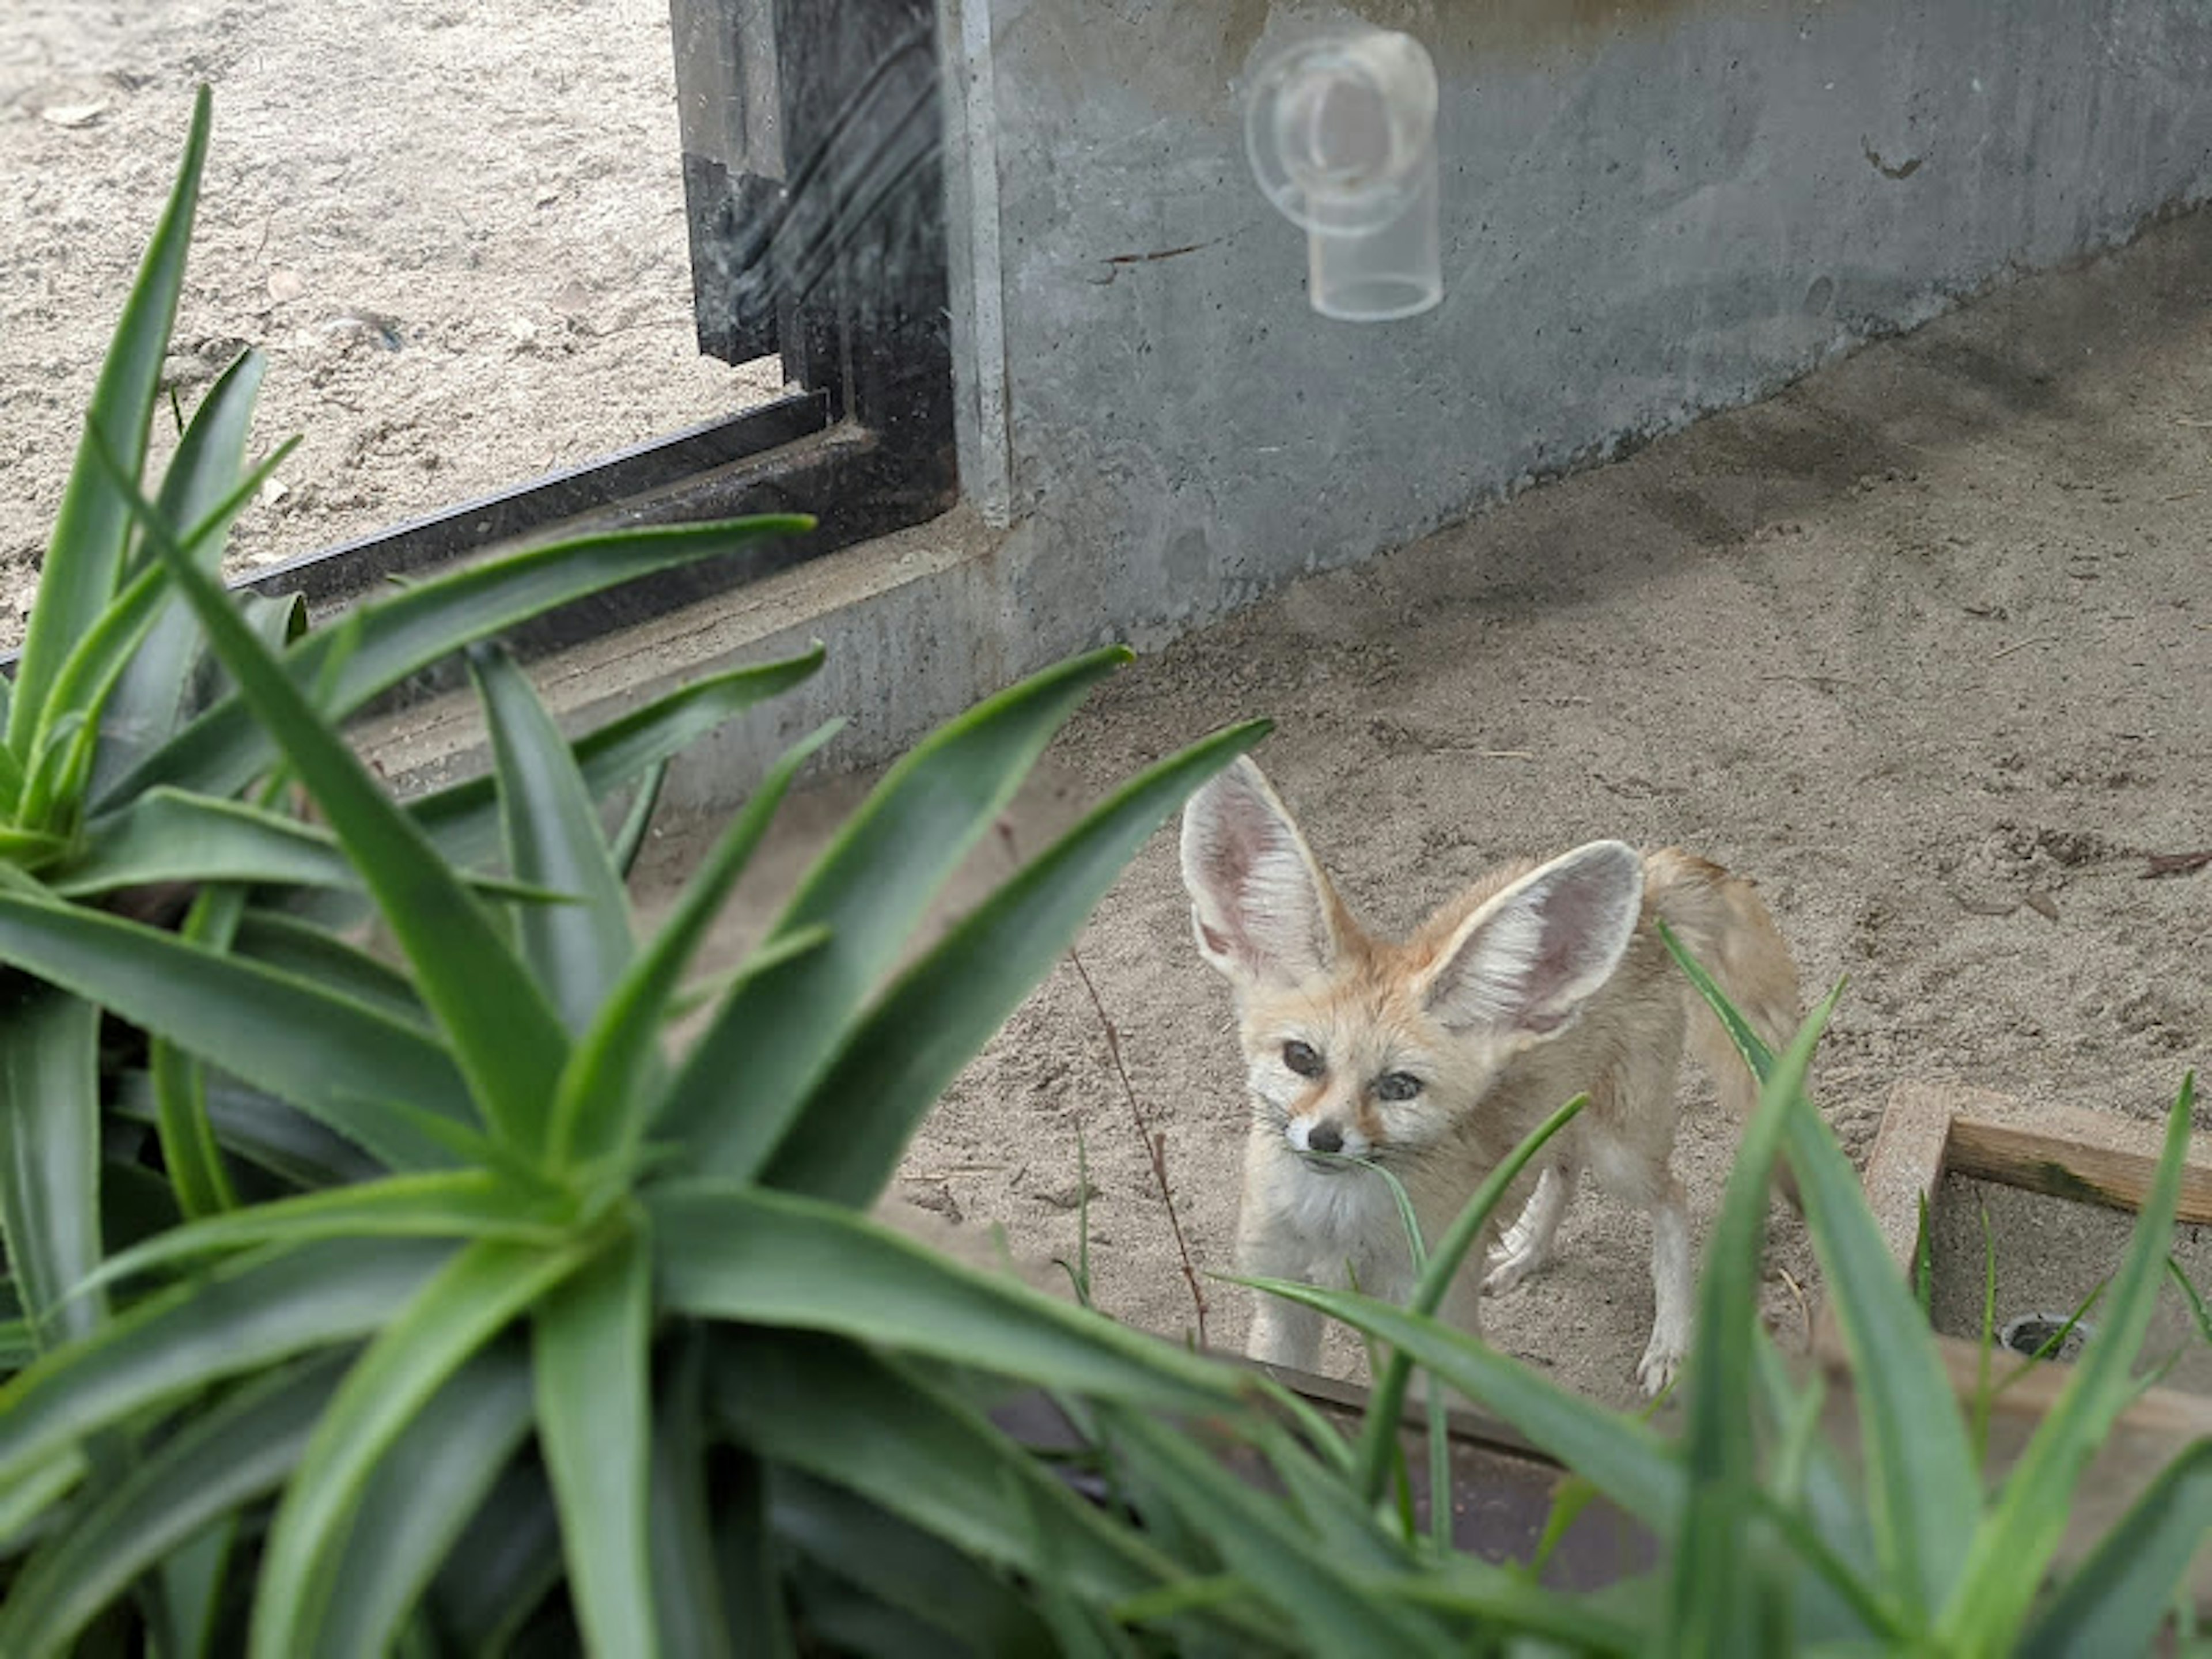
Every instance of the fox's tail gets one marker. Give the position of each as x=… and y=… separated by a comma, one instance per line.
x=1725, y=924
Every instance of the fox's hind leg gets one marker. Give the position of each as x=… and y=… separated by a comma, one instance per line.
x=1674, y=1290
x=1527, y=1246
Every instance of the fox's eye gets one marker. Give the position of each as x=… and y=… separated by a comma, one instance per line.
x=1397, y=1085
x=1302, y=1059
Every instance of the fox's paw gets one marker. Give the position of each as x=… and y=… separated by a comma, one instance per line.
x=1661, y=1361
x=1513, y=1260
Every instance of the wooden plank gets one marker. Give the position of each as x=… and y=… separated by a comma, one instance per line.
x=2061, y=1166
x=2148, y=1435
x=1907, y=1163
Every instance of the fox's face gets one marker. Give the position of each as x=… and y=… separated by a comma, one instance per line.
x=1370, y=1048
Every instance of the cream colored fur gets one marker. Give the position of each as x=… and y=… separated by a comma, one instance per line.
x=1536, y=984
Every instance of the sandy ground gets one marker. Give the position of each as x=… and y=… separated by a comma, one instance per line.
x=1924, y=645
x=456, y=230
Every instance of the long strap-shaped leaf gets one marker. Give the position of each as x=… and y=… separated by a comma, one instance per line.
x=1262, y=1542
x=1922, y=1487
x=423, y=1492
x=553, y=840
x=1628, y=1462
x=849, y=1417
x=1714, y=1605
x=592, y=1338
x=50, y=1153
x=334, y=1058
x=695, y=1583
x=219, y=751
x=773, y=1036
x=1378, y=1436
x=725, y=1251
x=477, y=1294
x=2015, y=1543
x=85, y=558
x=846, y=1141
x=463, y=819
x=149, y=699
x=603, y=1105
x=169, y=835
x=237, y=1452
x=453, y=1204
x=240, y=1317
x=506, y=1040
x=2116, y=1600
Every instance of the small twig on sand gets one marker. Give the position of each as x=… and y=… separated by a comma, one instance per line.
x=2177, y=864
x=1154, y=1141
x=1804, y=1308
x=2022, y=645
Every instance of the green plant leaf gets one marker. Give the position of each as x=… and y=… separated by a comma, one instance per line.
x=286, y=1036
x=501, y=1567
x=554, y=840
x=1631, y=1464
x=167, y=836
x=774, y=1035
x=220, y=1460
x=50, y=1154
x=2115, y=1601
x=1923, y=1493
x=221, y=749
x=149, y=699
x=61, y=746
x=449, y=1204
x=1490, y=1597
x=2014, y=1544
x=604, y=1102
x=592, y=1337
x=31, y=1497
x=464, y=819
x=190, y=1152
x=637, y=817
x=192, y=1584
x=690, y=1586
x=906, y=1567
x=302, y=950
x=241, y=1316
x=422, y=1494
x=725, y=1251
x=1378, y=1435
x=846, y=1141
x=84, y=560
x=478, y=1291
x=1283, y=1562
x=507, y=1042
x=849, y=1417
x=261, y=1129
x=1713, y=1607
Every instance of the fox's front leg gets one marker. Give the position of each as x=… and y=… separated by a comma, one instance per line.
x=1284, y=1332
x=1269, y=1245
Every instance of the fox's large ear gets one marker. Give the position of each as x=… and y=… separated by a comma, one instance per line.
x=1259, y=905
x=1528, y=960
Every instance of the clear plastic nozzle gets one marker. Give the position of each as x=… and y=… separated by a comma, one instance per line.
x=1342, y=131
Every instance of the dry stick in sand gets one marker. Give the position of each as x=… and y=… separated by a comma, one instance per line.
x=1154, y=1141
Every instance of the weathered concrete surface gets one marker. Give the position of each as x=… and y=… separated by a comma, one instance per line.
x=1651, y=210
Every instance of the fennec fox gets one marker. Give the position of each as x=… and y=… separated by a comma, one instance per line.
x=1435, y=1057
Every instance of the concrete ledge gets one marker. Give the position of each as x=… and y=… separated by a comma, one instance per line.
x=916, y=626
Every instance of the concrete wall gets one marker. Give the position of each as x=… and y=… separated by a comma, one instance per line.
x=1650, y=210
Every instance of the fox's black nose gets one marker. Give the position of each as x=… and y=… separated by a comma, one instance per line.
x=1325, y=1137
